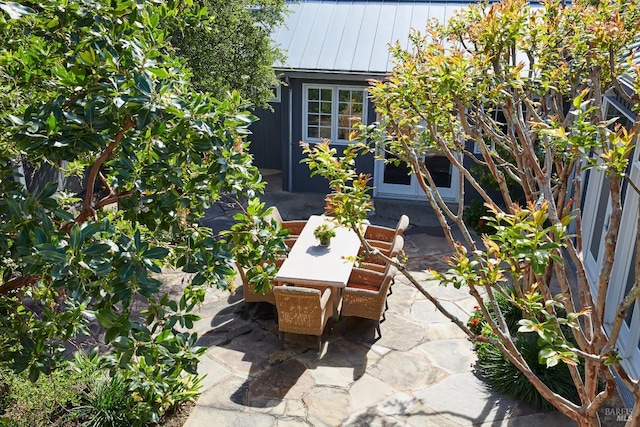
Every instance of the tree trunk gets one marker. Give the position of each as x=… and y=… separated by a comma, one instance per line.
x=586, y=421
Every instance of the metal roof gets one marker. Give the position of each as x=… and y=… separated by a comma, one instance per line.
x=352, y=36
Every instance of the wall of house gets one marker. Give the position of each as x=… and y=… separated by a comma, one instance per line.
x=269, y=135
x=275, y=139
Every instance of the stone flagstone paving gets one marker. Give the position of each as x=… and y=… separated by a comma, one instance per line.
x=419, y=373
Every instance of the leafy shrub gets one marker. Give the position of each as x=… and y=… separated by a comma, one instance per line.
x=473, y=216
x=45, y=403
x=506, y=378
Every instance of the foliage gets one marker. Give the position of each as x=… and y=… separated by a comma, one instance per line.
x=507, y=379
x=324, y=233
x=547, y=69
x=48, y=403
x=258, y=242
x=350, y=201
x=95, y=89
x=107, y=404
x=234, y=51
x=475, y=216
x=503, y=375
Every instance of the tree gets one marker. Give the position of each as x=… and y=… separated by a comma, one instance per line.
x=235, y=51
x=96, y=89
x=548, y=70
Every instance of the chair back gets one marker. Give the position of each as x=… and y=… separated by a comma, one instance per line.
x=301, y=310
x=385, y=235
x=274, y=214
x=249, y=290
x=389, y=274
x=403, y=224
x=396, y=247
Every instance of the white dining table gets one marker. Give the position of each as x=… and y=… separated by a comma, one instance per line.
x=309, y=263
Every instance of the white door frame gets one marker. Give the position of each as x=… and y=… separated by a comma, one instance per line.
x=413, y=189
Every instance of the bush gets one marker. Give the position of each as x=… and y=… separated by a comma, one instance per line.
x=507, y=379
x=45, y=403
x=473, y=216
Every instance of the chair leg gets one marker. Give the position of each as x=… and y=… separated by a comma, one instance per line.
x=378, y=329
x=319, y=344
x=282, y=340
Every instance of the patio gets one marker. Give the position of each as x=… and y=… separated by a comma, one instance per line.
x=419, y=373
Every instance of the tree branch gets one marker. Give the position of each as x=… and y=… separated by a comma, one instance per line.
x=87, y=206
x=17, y=283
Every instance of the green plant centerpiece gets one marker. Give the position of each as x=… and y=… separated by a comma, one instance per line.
x=324, y=233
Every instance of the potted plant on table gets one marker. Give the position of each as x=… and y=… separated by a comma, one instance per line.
x=324, y=233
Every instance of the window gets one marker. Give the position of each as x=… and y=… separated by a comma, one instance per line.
x=331, y=111
x=277, y=93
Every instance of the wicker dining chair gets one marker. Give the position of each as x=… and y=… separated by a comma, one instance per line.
x=366, y=294
x=302, y=311
x=372, y=262
x=294, y=226
x=249, y=290
x=382, y=237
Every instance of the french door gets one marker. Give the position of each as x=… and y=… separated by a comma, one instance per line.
x=396, y=180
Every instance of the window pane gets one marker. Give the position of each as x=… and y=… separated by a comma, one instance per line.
x=313, y=132
x=631, y=280
x=325, y=133
x=325, y=121
x=314, y=94
x=440, y=168
x=325, y=107
x=314, y=119
x=396, y=174
x=314, y=107
x=356, y=96
x=599, y=225
x=326, y=94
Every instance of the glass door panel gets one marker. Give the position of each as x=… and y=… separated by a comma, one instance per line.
x=393, y=179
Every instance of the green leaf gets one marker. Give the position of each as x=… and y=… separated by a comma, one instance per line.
x=16, y=10
x=97, y=249
x=75, y=239
x=156, y=253
x=144, y=117
x=48, y=190
x=106, y=317
x=52, y=254
x=127, y=271
x=164, y=335
x=90, y=229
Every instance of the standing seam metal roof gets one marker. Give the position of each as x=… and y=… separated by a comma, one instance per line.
x=353, y=36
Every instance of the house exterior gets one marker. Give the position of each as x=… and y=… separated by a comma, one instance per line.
x=596, y=207
x=333, y=48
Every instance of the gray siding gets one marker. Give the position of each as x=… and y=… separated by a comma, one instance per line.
x=267, y=137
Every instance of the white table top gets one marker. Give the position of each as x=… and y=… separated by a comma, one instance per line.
x=308, y=263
